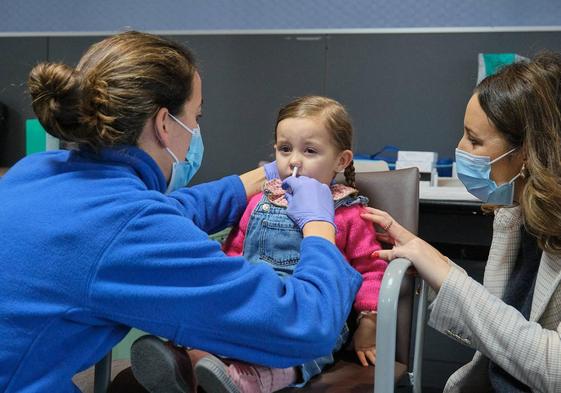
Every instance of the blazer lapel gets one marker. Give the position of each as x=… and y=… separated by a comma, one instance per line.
x=504, y=250
x=549, y=276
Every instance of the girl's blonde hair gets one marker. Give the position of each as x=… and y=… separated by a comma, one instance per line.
x=335, y=119
x=119, y=84
x=523, y=101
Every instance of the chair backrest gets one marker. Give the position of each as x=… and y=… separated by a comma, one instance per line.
x=396, y=192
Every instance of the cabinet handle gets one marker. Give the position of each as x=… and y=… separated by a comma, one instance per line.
x=304, y=38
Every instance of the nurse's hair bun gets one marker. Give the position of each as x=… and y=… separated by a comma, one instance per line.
x=56, y=98
x=72, y=107
x=119, y=84
x=97, y=106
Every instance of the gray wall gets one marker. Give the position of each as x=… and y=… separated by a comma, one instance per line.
x=18, y=57
x=408, y=90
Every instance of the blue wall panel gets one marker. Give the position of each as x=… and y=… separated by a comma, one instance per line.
x=28, y=16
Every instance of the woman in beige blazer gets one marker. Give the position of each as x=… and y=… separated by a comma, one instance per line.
x=510, y=157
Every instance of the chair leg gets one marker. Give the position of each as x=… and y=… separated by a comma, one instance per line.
x=387, y=325
x=419, y=339
x=102, y=376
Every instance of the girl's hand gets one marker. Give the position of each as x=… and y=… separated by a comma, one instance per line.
x=429, y=262
x=364, y=340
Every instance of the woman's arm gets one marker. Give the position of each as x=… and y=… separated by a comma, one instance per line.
x=467, y=312
x=214, y=205
x=253, y=181
x=429, y=262
x=171, y=281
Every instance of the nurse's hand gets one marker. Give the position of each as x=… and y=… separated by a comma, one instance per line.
x=271, y=170
x=308, y=200
x=429, y=262
x=253, y=180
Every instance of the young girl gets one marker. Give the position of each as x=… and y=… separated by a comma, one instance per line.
x=313, y=138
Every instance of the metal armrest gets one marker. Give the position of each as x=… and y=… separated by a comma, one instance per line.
x=387, y=327
x=102, y=376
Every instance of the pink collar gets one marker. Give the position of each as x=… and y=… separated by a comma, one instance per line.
x=274, y=192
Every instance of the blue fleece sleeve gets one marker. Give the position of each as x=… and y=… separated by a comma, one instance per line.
x=213, y=206
x=162, y=275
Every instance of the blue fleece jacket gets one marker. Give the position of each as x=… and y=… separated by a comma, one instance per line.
x=90, y=246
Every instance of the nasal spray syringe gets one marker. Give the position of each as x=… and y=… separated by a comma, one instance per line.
x=294, y=171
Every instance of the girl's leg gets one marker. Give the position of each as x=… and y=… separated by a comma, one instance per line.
x=231, y=376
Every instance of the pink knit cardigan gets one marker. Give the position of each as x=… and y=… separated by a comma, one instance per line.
x=356, y=239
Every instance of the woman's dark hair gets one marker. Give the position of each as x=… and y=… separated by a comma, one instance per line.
x=118, y=85
x=523, y=101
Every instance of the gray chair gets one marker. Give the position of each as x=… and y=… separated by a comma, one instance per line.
x=396, y=192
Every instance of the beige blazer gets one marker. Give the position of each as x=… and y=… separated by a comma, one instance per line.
x=474, y=315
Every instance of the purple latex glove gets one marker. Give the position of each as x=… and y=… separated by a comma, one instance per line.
x=308, y=200
x=271, y=170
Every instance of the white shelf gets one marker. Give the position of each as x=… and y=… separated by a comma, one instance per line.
x=449, y=192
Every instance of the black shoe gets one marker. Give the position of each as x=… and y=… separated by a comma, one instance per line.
x=161, y=367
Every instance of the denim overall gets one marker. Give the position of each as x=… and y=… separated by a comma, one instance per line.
x=273, y=238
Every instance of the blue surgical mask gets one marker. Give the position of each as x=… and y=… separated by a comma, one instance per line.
x=183, y=171
x=475, y=173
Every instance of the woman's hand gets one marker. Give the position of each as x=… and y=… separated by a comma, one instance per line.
x=310, y=206
x=429, y=262
x=364, y=340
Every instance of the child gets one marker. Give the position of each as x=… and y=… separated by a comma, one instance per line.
x=313, y=138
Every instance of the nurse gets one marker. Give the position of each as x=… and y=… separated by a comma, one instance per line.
x=107, y=237
x=509, y=157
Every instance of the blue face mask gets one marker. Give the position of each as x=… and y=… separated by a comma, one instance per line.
x=183, y=171
x=475, y=171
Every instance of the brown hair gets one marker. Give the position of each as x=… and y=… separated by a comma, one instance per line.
x=335, y=118
x=523, y=101
x=119, y=84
